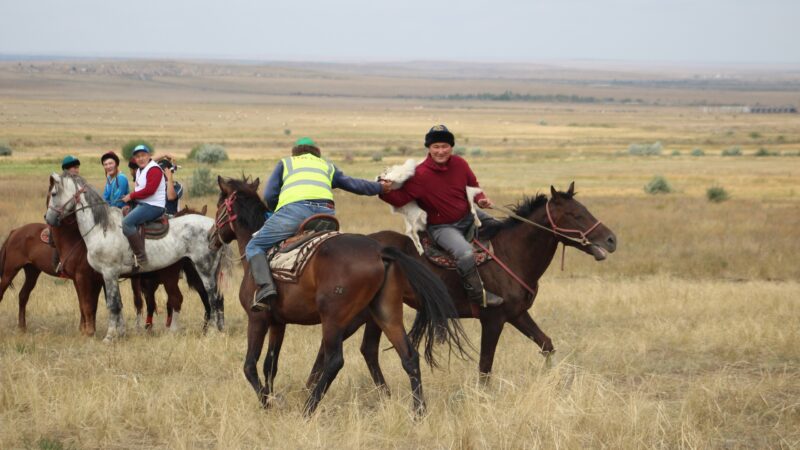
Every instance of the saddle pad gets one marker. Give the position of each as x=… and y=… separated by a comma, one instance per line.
x=156, y=229
x=441, y=258
x=288, y=266
x=45, y=235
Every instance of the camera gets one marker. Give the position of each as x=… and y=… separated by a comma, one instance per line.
x=167, y=164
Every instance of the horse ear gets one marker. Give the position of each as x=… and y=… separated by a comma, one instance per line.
x=571, y=190
x=254, y=184
x=204, y=210
x=223, y=186
x=553, y=193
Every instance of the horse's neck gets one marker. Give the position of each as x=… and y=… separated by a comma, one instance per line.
x=242, y=239
x=85, y=219
x=66, y=236
x=527, y=250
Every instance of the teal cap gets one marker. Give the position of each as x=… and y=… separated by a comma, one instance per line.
x=70, y=161
x=305, y=141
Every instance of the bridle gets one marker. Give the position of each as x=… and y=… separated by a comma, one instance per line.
x=76, y=199
x=583, y=234
x=225, y=217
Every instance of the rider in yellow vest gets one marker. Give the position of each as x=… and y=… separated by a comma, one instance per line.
x=299, y=187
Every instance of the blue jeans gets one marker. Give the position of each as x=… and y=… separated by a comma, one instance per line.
x=139, y=215
x=283, y=224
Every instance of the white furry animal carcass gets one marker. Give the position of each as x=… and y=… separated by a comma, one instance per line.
x=414, y=217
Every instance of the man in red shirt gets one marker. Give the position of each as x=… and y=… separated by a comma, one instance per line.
x=439, y=186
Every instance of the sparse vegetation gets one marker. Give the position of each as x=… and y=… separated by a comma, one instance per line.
x=208, y=154
x=717, y=194
x=5, y=149
x=658, y=185
x=459, y=150
x=698, y=152
x=287, y=132
x=203, y=183
x=764, y=152
x=653, y=149
x=732, y=151
x=676, y=153
x=476, y=151
x=127, y=149
x=377, y=157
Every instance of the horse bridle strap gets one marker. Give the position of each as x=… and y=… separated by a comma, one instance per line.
x=553, y=228
x=584, y=240
x=76, y=198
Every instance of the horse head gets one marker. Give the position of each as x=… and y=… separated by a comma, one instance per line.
x=231, y=192
x=577, y=227
x=63, y=198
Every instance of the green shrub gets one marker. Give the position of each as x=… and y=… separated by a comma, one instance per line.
x=676, y=153
x=127, y=149
x=755, y=135
x=377, y=156
x=658, y=185
x=202, y=183
x=476, y=151
x=543, y=123
x=287, y=132
x=88, y=138
x=732, y=151
x=764, y=152
x=460, y=151
x=653, y=149
x=208, y=153
x=698, y=152
x=717, y=194
x=5, y=149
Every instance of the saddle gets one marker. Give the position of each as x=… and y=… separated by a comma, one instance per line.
x=442, y=258
x=156, y=229
x=288, y=259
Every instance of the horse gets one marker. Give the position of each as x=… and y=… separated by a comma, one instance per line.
x=526, y=243
x=108, y=250
x=348, y=276
x=24, y=250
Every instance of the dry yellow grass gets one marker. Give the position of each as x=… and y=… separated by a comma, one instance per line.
x=686, y=337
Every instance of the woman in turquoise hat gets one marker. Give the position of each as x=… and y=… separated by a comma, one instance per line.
x=71, y=165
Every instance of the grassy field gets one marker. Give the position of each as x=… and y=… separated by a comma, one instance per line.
x=686, y=337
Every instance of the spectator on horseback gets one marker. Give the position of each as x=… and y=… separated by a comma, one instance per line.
x=150, y=194
x=71, y=165
x=300, y=186
x=439, y=187
x=116, y=182
x=174, y=189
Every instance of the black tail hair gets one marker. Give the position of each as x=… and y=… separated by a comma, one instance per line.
x=437, y=316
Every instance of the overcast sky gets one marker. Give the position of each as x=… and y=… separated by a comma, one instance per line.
x=373, y=30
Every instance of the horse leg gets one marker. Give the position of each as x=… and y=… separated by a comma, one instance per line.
x=334, y=360
x=276, y=333
x=370, y=347
x=174, y=299
x=89, y=305
x=256, y=331
x=149, y=288
x=526, y=325
x=214, y=299
x=316, y=371
x=136, y=288
x=31, y=276
x=116, y=323
x=83, y=288
x=389, y=317
x=491, y=328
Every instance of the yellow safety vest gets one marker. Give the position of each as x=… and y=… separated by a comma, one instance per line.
x=305, y=177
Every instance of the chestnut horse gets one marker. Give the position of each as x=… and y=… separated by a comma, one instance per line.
x=525, y=244
x=348, y=276
x=24, y=250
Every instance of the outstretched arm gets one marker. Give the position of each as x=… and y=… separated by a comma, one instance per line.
x=355, y=185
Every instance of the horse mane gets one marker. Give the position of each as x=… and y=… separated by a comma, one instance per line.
x=251, y=209
x=523, y=208
x=96, y=202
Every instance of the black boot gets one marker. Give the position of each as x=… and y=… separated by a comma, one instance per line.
x=475, y=292
x=259, y=267
x=137, y=245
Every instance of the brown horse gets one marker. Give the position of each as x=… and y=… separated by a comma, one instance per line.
x=527, y=250
x=349, y=276
x=24, y=250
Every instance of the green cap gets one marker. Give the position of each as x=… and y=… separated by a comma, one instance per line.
x=305, y=141
x=70, y=161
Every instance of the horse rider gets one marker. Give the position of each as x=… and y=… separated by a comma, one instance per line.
x=174, y=189
x=300, y=186
x=70, y=165
x=439, y=187
x=150, y=193
x=116, y=182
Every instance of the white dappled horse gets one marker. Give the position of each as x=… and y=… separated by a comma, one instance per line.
x=110, y=254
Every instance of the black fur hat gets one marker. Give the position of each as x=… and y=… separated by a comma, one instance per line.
x=439, y=133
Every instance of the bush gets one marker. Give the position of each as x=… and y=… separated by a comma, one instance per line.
x=543, y=123
x=5, y=150
x=88, y=138
x=676, y=153
x=733, y=151
x=698, y=152
x=460, y=151
x=403, y=150
x=127, y=149
x=476, y=152
x=645, y=149
x=377, y=156
x=717, y=194
x=208, y=153
x=202, y=183
x=764, y=152
x=658, y=185
x=287, y=132
x=755, y=135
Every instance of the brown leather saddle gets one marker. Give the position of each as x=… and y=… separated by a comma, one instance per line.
x=442, y=258
x=310, y=228
x=156, y=229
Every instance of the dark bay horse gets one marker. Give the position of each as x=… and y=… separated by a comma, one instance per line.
x=349, y=276
x=24, y=250
x=527, y=250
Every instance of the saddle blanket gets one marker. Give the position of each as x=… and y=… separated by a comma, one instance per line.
x=288, y=266
x=441, y=258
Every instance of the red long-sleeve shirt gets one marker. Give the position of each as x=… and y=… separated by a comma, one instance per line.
x=440, y=190
x=152, y=180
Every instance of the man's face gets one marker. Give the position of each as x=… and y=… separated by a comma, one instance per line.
x=109, y=166
x=74, y=170
x=440, y=152
x=142, y=158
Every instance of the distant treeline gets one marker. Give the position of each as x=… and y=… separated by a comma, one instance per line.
x=510, y=96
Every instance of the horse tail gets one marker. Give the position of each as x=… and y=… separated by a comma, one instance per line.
x=437, y=316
